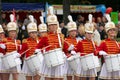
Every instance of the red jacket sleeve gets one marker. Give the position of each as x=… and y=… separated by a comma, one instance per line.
x=43, y=43
x=65, y=49
x=24, y=48
x=101, y=47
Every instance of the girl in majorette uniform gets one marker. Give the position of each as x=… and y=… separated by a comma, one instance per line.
x=12, y=46
x=69, y=44
x=108, y=47
x=85, y=47
x=54, y=41
x=2, y=48
x=29, y=45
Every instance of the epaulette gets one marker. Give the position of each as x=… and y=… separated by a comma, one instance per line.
x=19, y=41
x=62, y=38
x=4, y=40
x=102, y=41
x=24, y=40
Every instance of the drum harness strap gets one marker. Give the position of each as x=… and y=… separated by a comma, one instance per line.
x=94, y=48
x=59, y=40
x=16, y=44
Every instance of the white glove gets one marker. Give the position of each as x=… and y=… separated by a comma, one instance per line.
x=71, y=47
x=73, y=52
x=102, y=53
x=37, y=50
x=2, y=46
x=17, y=55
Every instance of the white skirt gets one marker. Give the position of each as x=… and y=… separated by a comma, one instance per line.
x=0, y=64
x=16, y=69
x=69, y=70
x=28, y=72
x=1, y=61
x=53, y=72
x=78, y=70
x=88, y=73
x=104, y=74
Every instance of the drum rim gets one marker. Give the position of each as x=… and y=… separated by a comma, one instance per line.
x=10, y=53
x=74, y=57
x=54, y=50
x=30, y=57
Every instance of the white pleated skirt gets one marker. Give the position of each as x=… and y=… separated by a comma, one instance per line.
x=104, y=74
x=69, y=71
x=78, y=70
x=53, y=72
x=1, y=61
x=88, y=73
x=16, y=69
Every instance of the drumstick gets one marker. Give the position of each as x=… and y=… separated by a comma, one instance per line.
x=46, y=47
x=25, y=51
x=43, y=48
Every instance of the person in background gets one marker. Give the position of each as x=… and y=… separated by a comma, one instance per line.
x=12, y=45
x=109, y=47
x=19, y=24
x=24, y=26
x=4, y=25
x=99, y=21
x=27, y=20
x=102, y=31
x=4, y=20
x=118, y=30
x=96, y=35
x=104, y=20
x=30, y=44
x=81, y=33
x=80, y=20
x=63, y=29
x=119, y=18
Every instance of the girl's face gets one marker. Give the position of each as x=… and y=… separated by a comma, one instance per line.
x=52, y=28
x=2, y=35
x=42, y=34
x=88, y=36
x=33, y=35
x=101, y=28
x=72, y=33
x=112, y=33
x=12, y=34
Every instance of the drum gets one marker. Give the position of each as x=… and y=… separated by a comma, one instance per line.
x=11, y=60
x=89, y=62
x=112, y=63
x=73, y=61
x=54, y=57
x=34, y=62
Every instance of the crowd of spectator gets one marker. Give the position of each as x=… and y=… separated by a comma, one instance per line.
x=80, y=21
